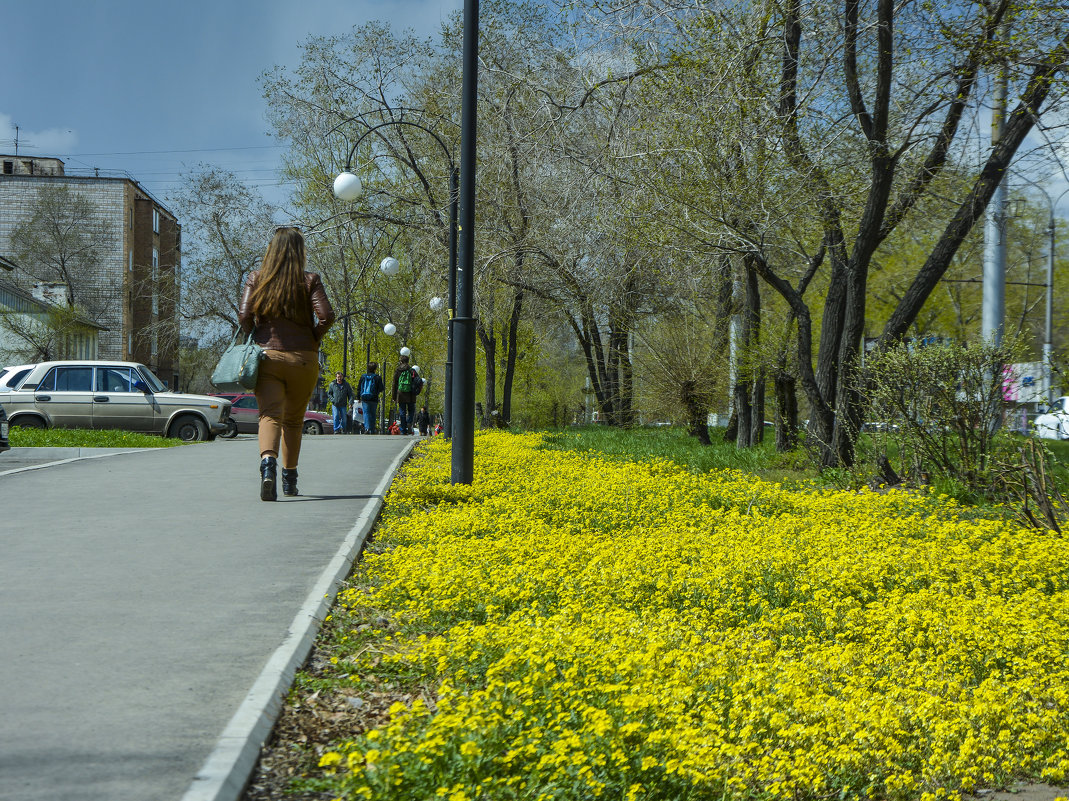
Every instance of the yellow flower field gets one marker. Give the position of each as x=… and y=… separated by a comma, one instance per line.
x=607, y=629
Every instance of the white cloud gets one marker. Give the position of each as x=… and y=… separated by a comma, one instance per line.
x=47, y=142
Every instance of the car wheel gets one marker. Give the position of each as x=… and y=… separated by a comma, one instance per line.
x=28, y=422
x=312, y=427
x=189, y=429
x=231, y=430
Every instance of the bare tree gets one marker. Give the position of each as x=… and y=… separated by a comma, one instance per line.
x=812, y=128
x=227, y=226
x=65, y=240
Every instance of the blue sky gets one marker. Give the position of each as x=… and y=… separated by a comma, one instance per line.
x=152, y=88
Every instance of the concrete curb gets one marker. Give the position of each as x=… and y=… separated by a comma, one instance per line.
x=64, y=455
x=228, y=768
x=70, y=453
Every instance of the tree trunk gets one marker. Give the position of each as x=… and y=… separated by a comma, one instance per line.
x=489, y=343
x=744, y=416
x=786, y=412
x=510, y=360
x=731, y=431
x=696, y=413
x=749, y=376
x=757, y=407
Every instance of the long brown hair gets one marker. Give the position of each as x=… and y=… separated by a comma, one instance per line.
x=280, y=290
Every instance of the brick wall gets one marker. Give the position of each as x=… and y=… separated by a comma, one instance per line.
x=136, y=304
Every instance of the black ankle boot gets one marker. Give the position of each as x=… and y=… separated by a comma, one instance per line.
x=289, y=481
x=268, y=471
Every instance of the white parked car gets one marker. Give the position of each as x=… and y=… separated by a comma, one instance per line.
x=11, y=377
x=106, y=394
x=1055, y=423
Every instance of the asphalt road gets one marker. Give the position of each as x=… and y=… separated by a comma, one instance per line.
x=153, y=609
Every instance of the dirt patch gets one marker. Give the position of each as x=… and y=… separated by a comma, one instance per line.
x=1025, y=792
x=309, y=725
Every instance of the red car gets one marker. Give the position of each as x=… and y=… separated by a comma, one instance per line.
x=245, y=417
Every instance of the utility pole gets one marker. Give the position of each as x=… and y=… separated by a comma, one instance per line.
x=463, y=410
x=994, y=293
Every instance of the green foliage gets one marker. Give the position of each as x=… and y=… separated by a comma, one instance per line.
x=196, y=366
x=84, y=438
x=675, y=444
x=937, y=415
x=943, y=406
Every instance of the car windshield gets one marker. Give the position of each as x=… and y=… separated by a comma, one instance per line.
x=153, y=383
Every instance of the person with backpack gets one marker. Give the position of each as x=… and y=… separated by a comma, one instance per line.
x=368, y=390
x=406, y=386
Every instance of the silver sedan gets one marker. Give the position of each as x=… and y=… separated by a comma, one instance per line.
x=105, y=394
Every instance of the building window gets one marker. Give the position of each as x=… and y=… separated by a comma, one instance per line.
x=131, y=261
x=130, y=345
x=9, y=168
x=156, y=221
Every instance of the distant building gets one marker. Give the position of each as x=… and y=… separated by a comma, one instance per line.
x=138, y=276
x=24, y=314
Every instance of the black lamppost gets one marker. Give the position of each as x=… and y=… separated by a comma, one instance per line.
x=347, y=186
x=463, y=451
x=460, y=397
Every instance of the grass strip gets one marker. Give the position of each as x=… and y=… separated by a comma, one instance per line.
x=19, y=437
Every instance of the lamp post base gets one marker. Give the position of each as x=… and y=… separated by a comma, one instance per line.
x=463, y=419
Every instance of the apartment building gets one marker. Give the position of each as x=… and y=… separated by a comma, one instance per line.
x=132, y=290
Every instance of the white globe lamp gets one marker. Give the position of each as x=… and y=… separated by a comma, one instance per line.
x=390, y=266
x=437, y=304
x=389, y=329
x=347, y=186
x=406, y=351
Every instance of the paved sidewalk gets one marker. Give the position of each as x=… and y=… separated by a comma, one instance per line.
x=153, y=609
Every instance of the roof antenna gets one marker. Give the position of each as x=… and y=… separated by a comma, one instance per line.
x=16, y=140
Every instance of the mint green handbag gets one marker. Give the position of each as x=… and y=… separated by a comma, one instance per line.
x=239, y=366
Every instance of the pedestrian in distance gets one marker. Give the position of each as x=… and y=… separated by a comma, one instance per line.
x=406, y=386
x=369, y=387
x=288, y=311
x=423, y=420
x=341, y=394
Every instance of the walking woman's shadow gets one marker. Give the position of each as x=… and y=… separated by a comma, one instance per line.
x=303, y=497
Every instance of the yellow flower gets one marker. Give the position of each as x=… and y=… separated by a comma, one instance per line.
x=330, y=759
x=470, y=749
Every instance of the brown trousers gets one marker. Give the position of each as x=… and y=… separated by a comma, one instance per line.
x=283, y=389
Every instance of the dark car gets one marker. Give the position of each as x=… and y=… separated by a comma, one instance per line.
x=4, y=445
x=245, y=416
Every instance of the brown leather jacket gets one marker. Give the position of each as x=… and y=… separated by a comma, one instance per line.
x=278, y=333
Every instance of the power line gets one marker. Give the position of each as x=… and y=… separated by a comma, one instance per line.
x=164, y=152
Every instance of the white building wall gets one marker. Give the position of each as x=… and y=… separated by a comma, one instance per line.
x=18, y=195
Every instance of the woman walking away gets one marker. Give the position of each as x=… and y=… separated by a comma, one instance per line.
x=289, y=311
